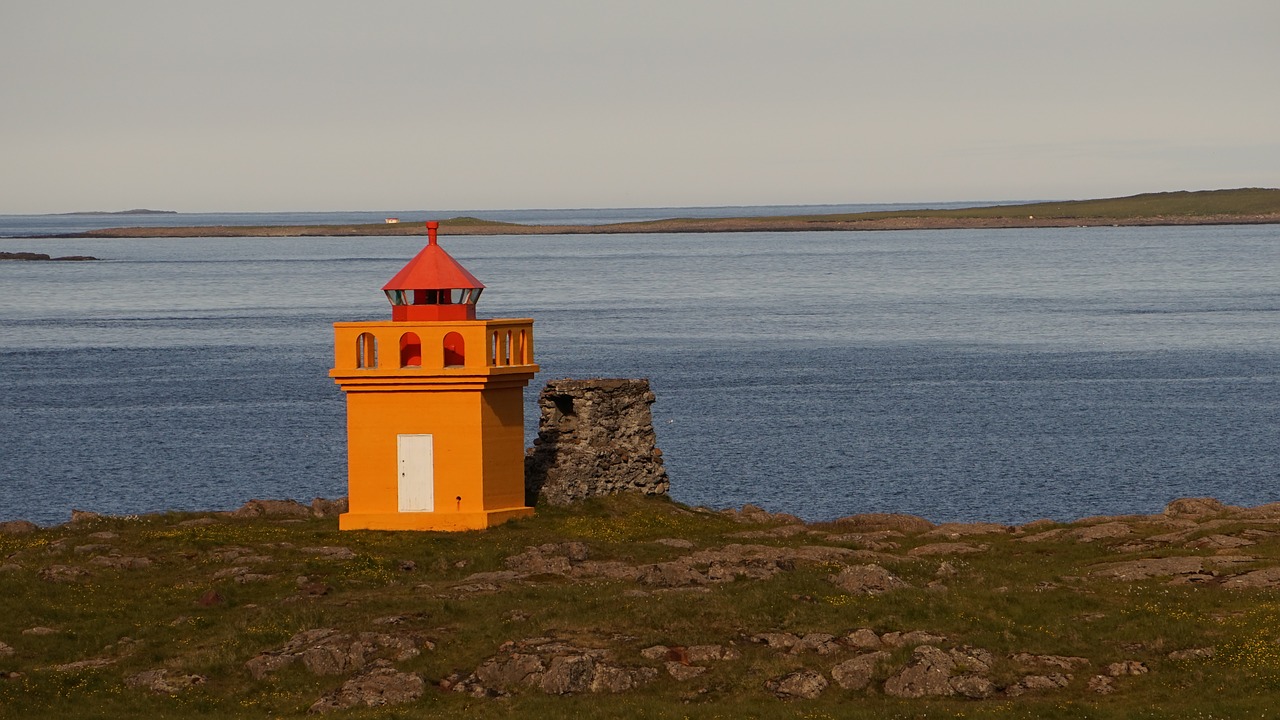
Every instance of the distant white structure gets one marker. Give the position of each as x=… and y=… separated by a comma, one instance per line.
x=392, y=221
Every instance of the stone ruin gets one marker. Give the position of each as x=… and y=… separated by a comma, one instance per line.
x=595, y=437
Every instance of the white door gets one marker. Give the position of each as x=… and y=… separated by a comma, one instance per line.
x=417, y=473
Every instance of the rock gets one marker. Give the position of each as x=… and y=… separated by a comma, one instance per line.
x=81, y=517
x=777, y=532
x=6, y=650
x=672, y=574
x=611, y=679
x=1102, y=685
x=595, y=437
x=866, y=580
x=325, y=651
x=956, y=530
x=378, y=687
x=675, y=542
x=39, y=631
x=1150, y=567
x=856, y=674
x=876, y=541
x=972, y=659
x=272, y=509
x=1196, y=508
x=17, y=527
x=331, y=553
x=711, y=653
x=885, y=521
x=776, y=641
x=548, y=559
x=90, y=664
x=928, y=674
x=568, y=674
x=1102, y=531
x=656, y=652
x=323, y=508
x=1062, y=662
x=802, y=685
x=946, y=549
x=1219, y=542
x=511, y=671
x=62, y=573
x=820, y=643
x=1203, y=653
x=555, y=668
x=863, y=639
x=1127, y=667
x=210, y=598
x=160, y=681
x=975, y=687
x=757, y=515
x=681, y=671
x=117, y=562
x=1037, y=683
x=1264, y=578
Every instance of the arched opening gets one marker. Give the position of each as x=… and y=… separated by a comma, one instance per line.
x=366, y=351
x=454, y=350
x=410, y=350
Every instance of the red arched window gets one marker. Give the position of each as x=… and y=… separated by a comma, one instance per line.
x=454, y=350
x=410, y=350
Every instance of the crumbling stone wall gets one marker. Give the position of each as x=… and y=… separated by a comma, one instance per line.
x=595, y=437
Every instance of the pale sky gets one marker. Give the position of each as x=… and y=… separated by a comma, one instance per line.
x=418, y=105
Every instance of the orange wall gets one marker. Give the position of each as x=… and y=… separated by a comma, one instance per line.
x=474, y=413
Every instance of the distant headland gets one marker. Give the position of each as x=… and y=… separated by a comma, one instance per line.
x=134, y=211
x=1207, y=207
x=39, y=257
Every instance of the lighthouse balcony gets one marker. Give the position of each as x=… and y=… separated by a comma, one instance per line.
x=435, y=348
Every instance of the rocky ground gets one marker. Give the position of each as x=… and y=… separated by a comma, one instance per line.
x=641, y=607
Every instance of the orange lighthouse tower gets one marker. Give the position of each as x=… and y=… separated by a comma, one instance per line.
x=435, y=404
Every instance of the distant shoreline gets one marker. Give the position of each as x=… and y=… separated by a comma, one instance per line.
x=676, y=226
x=1244, y=206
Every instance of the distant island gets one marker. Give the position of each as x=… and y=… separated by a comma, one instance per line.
x=135, y=211
x=31, y=256
x=1207, y=207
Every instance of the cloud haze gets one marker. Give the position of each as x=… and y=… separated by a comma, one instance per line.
x=322, y=105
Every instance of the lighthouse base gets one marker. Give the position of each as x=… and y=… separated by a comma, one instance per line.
x=441, y=521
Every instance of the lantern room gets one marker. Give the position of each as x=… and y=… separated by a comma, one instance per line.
x=433, y=286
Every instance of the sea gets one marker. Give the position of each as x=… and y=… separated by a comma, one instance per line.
x=960, y=375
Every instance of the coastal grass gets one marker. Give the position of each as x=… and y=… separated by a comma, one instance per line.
x=1011, y=597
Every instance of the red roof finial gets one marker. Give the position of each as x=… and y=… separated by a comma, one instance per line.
x=432, y=227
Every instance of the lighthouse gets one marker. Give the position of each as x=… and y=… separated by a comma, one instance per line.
x=435, y=404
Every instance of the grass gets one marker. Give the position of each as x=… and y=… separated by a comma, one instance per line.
x=1014, y=597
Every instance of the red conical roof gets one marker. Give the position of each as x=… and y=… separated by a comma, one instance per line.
x=433, y=269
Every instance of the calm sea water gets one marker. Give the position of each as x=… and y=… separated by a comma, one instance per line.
x=980, y=375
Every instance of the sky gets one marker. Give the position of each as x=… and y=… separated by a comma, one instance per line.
x=321, y=105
